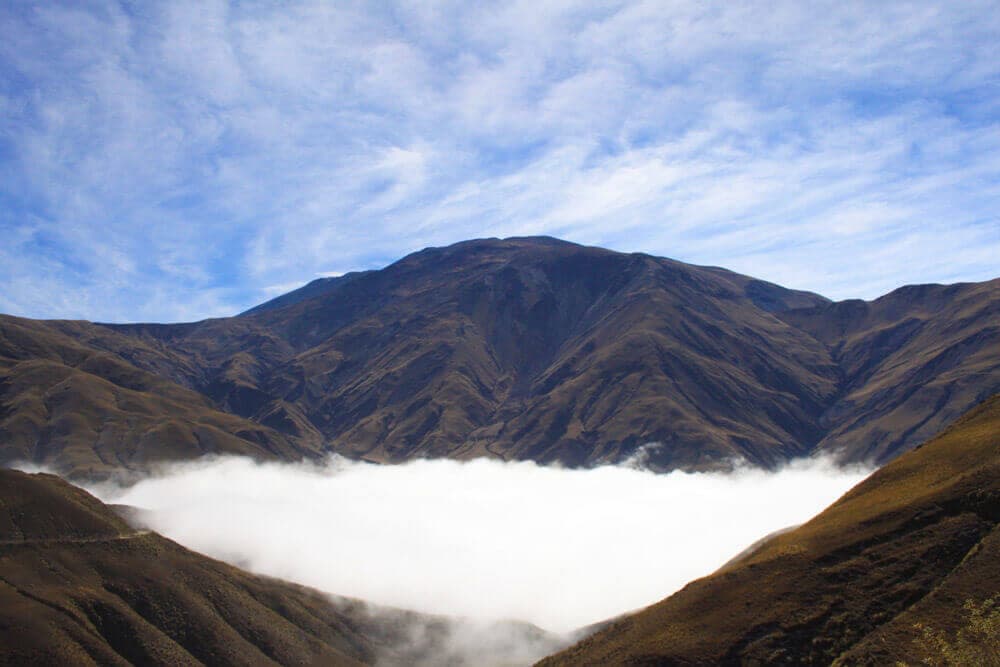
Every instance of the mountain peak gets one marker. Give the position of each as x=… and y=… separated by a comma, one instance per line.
x=529, y=348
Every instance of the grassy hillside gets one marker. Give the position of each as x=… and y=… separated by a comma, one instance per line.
x=79, y=587
x=539, y=349
x=525, y=348
x=89, y=412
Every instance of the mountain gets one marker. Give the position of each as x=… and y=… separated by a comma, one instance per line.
x=912, y=361
x=535, y=348
x=79, y=586
x=907, y=546
x=89, y=412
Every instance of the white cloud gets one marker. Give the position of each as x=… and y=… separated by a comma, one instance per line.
x=233, y=147
x=484, y=539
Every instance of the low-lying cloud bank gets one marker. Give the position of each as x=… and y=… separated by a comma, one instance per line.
x=484, y=539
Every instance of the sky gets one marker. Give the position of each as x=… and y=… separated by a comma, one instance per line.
x=484, y=539
x=175, y=161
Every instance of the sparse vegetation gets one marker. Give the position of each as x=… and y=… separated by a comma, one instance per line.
x=528, y=349
x=976, y=643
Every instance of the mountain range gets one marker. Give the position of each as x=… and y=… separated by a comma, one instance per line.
x=522, y=348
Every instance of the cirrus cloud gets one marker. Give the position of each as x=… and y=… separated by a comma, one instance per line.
x=177, y=160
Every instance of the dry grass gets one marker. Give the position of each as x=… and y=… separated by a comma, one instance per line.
x=88, y=413
x=528, y=349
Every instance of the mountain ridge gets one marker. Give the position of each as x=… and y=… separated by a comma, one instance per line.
x=536, y=348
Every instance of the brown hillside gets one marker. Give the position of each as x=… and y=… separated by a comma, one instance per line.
x=545, y=350
x=88, y=412
x=912, y=361
x=79, y=587
x=908, y=545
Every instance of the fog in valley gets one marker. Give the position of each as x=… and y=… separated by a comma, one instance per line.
x=558, y=548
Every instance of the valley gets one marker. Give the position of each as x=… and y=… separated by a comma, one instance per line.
x=499, y=334
x=567, y=359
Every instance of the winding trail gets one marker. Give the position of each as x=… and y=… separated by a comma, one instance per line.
x=76, y=540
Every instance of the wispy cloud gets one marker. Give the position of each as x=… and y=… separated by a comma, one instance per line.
x=176, y=161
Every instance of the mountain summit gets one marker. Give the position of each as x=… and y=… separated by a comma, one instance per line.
x=535, y=348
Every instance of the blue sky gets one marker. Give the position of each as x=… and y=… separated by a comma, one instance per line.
x=174, y=161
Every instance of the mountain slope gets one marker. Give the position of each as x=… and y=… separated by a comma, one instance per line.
x=908, y=545
x=524, y=348
x=912, y=362
x=88, y=412
x=535, y=348
x=78, y=586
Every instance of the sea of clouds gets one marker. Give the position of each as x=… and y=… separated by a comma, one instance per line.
x=484, y=539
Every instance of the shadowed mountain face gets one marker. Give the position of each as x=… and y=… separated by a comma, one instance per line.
x=545, y=350
x=79, y=586
x=907, y=546
x=912, y=362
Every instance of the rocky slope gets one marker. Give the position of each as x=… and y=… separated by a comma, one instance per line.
x=88, y=412
x=540, y=349
x=911, y=361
